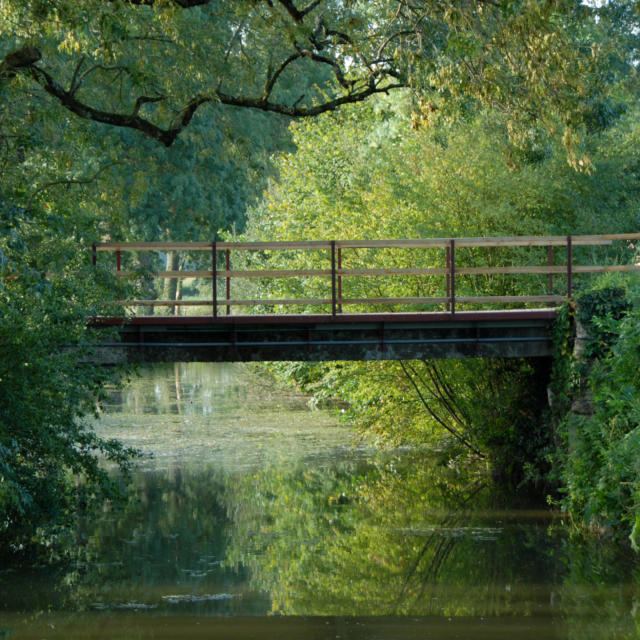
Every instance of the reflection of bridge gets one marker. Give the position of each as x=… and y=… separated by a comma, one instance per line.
x=418, y=301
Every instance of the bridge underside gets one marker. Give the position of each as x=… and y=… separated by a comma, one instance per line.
x=387, y=336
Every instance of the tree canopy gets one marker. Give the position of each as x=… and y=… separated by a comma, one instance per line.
x=363, y=173
x=152, y=65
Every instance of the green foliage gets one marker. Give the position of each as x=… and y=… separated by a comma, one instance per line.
x=366, y=174
x=369, y=551
x=49, y=456
x=64, y=185
x=599, y=310
x=563, y=370
x=405, y=535
x=489, y=408
x=396, y=533
x=127, y=187
x=362, y=173
x=500, y=50
x=154, y=65
x=600, y=466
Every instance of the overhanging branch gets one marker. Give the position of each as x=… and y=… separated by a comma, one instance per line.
x=297, y=14
x=271, y=81
x=128, y=120
x=294, y=111
x=167, y=136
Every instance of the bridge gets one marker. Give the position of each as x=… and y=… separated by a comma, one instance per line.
x=353, y=299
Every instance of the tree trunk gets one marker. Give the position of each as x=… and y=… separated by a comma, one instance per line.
x=172, y=285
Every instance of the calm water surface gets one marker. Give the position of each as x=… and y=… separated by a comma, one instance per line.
x=253, y=516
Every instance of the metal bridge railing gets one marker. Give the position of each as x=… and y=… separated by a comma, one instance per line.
x=327, y=260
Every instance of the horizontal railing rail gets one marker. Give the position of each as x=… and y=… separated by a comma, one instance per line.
x=334, y=272
x=410, y=243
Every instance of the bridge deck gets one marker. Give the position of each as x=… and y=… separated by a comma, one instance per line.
x=317, y=337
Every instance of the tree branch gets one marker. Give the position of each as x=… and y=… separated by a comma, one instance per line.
x=442, y=401
x=298, y=14
x=458, y=436
x=97, y=67
x=25, y=60
x=146, y=100
x=131, y=121
x=18, y=60
x=268, y=87
x=337, y=71
x=185, y=4
x=305, y=112
x=54, y=183
x=73, y=87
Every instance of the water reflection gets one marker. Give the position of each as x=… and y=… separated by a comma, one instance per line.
x=223, y=415
x=212, y=541
x=414, y=538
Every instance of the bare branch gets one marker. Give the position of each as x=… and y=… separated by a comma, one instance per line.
x=458, y=436
x=391, y=38
x=146, y=100
x=297, y=14
x=185, y=4
x=356, y=91
x=235, y=36
x=98, y=67
x=72, y=85
x=343, y=38
x=305, y=112
x=337, y=71
x=442, y=401
x=310, y=7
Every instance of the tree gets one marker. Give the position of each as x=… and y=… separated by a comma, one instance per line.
x=50, y=458
x=237, y=54
x=151, y=65
x=363, y=173
x=74, y=71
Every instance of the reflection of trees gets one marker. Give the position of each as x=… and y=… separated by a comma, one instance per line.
x=193, y=388
x=600, y=590
x=405, y=537
x=398, y=536
x=170, y=538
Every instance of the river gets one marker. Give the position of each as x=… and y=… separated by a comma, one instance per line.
x=253, y=516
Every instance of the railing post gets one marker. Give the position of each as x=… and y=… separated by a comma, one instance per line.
x=448, y=276
x=452, y=275
x=333, y=278
x=94, y=254
x=228, y=266
x=214, y=275
x=339, y=280
x=551, y=265
x=569, y=268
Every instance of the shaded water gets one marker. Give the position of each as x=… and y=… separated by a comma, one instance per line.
x=253, y=516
